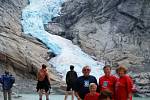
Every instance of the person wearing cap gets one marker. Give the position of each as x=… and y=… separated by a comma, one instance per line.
x=7, y=81
x=83, y=83
x=71, y=77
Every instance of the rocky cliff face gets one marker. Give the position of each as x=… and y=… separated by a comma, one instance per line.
x=142, y=84
x=116, y=31
x=10, y=15
x=21, y=55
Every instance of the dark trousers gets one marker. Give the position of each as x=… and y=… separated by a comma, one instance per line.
x=7, y=94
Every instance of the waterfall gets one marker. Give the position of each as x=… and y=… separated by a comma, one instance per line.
x=40, y=12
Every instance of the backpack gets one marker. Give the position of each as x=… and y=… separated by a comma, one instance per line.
x=71, y=77
x=7, y=81
x=41, y=75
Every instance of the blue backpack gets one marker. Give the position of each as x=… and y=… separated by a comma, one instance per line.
x=7, y=81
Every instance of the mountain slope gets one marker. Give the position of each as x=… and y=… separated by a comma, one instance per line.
x=22, y=55
x=117, y=31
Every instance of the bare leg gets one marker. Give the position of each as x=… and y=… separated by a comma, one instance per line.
x=47, y=95
x=72, y=94
x=40, y=94
x=66, y=95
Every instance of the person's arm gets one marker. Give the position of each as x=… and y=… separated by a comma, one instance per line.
x=77, y=96
x=1, y=80
x=129, y=87
x=67, y=75
x=114, y=86
x=77, y=88
x=37, y=76
x=99, y=85
x=87, y=97
x=129, y=96
x=13, y=79
x=48, y=76
x=95, y=81
x=76, y=75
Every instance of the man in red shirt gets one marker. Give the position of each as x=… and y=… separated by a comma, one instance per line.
x=108, y=81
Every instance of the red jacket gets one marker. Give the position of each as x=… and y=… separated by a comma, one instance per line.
x=123, y=88
x=90, y=96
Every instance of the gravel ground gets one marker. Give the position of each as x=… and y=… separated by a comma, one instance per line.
x=52, y=97
x=28, y=86
x=35, y=97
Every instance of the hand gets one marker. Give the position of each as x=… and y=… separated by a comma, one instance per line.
x=78, y=98
x=128, y=98
x=50, y=87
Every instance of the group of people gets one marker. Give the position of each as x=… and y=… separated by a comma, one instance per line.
x=85, y=87
x=43, y=85
x=110, y=87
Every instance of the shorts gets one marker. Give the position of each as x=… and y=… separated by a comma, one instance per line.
x=42, y=85
x=70, y=87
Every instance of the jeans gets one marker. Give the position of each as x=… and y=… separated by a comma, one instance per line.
x=7, y=94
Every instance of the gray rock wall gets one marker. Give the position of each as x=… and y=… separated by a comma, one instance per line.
x=22, y=55
x=142, y=84
x=10, y=15
x=116, y=31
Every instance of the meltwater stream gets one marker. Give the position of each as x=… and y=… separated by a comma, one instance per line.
x=40, y=12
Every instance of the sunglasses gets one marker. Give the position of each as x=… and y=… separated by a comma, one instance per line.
x=86, y=70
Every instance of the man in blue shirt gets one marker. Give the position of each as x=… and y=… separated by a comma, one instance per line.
x=7, y=81
x=83, y=82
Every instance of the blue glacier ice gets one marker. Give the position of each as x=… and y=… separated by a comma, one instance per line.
x=40, y=12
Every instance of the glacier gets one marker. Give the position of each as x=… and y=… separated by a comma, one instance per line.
x=40, y=12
